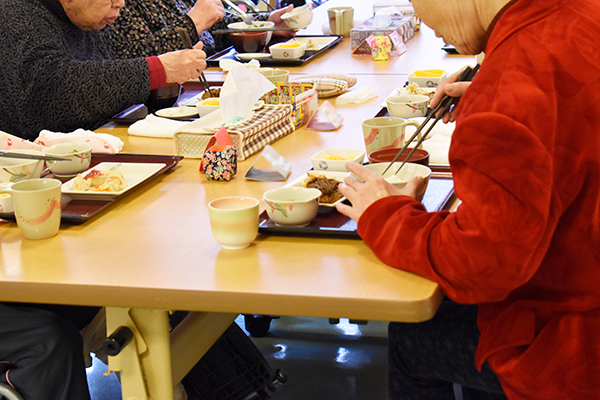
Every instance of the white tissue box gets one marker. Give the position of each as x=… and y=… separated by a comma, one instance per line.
x=404, y=25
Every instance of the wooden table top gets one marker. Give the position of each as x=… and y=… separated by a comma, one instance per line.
x=154, y=249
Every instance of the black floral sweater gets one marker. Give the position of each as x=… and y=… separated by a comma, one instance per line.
x=58, y=77
x=149, y=28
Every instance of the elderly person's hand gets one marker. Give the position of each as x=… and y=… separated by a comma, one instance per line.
x=275, y=16
x=369, y=188
x=205, y=13
x=452, y=89
x=183, y=65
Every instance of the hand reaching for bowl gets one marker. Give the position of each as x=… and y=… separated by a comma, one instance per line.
x=205, y=13
x=275, y=17
x=182, y=65
x=372, y=188
x=453, y=89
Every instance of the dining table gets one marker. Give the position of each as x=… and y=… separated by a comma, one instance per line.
x=152, y=251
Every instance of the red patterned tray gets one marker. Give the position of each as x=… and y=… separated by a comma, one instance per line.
x=78, y=211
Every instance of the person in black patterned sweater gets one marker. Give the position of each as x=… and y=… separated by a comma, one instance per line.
x=148, y=27
x=57, y=73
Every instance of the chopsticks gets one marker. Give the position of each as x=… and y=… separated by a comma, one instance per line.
x=225, y=31
x=32, y=157
x=446, y=102
x=187, y=43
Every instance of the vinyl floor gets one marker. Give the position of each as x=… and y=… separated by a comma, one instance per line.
x=341, y=361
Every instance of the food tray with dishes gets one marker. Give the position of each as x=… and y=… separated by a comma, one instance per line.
x=190, y=92
x=331, y=224
x=315, y=45
x=78, y=206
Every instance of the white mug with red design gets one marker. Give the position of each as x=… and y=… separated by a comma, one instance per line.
x=36, y=203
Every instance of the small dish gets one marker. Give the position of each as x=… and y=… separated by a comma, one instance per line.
x=275, y=75
x=407, y=105
x=387, y=154
x=408, y=171
x=427, y=78
x=208, y=106
x=336, y=159
x=337, y=175
x=78, y=155
x=299, y=17
x=252, y=56
x=285, y=51
x=292, y=205
x=313, y=43
x=15, y=169
x=177, y=112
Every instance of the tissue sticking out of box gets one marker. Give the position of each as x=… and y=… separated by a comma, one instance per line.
x=383, y=17
x=241, y=89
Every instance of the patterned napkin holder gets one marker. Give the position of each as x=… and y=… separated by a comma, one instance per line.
x=219, y=162
x=302, y=96
x=268, y=124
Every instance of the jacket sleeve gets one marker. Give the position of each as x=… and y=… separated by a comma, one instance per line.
x=496, y=239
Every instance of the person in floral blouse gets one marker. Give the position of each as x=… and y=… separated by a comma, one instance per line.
x=149, y=27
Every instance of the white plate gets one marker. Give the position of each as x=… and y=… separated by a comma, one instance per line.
x=337, y=175
x=133, y=174
x=252, y=56
x=313, y=43
x=177, y=112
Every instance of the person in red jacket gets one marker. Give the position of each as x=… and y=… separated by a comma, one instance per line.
x=522, y=250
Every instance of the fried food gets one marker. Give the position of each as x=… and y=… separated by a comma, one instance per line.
x=214, y=92
x=327, y=186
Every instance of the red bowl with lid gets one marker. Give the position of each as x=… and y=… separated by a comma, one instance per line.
x=387, y=154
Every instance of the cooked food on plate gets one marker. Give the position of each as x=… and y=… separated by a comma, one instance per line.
x=327, y=186
x=99, y=181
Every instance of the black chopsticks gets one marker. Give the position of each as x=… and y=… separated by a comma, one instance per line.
x=32, y=157
x=187, y=43
x=446, y=102
x=227, y=31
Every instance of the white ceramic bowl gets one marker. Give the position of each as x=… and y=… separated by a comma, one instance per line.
x=287, y=51
x=292, y=205
x=407, y=105
x=15, y=169
x=426, y=81
x=78, y=154
x=336, y=159
x=256, y=25
x=408, y=171
x=207, y=106
x=275, y=75
x=299, y=17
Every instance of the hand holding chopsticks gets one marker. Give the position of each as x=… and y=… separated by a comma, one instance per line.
x=187, y=43
x=445, y=103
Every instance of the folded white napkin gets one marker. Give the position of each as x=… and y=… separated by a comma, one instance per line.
x=157, y=127
x=100, y=142
x=440, y=127
x=356, y=96
x=227, y=64
x=438, y=146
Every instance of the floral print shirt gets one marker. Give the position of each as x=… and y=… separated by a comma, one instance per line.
x=149, y=28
